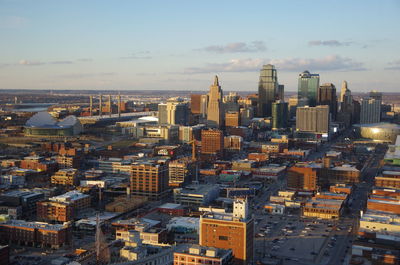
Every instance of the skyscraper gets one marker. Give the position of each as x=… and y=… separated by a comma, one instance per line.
x=267, y=89
x=279, y=115
x=370, y=110
x=327, y=96
x=195, y=103
x=174, y=112
x=343, y=90
x=162, y=114
x=214, y=111
x=308, y=87
x=313, y=119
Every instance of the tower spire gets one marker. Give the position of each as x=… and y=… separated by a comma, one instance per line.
x=216, y=83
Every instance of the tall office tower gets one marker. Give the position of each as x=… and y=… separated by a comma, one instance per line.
x=267, y=87
x=214, y=111
x=177, y=112
x=212, y=142
x=119, y=105
x=149, y=178
x=232, y=119
x=91, y=105
x=343, y=90
x=370, y=111
x=101, y=105
x=195, y=103
x=293, y=101
x=327, y=96
x=280, y=94
x=109, y=105
x=308, y=87
x=162, y=114
x=204, y=105
x=313, y=119
x=279, y=115
x=230, y=230
x=246, y=115
x=375, y=95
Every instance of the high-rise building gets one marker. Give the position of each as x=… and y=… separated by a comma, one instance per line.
x=214, y=110
x=293, y=101
x=232, y=119
x=162, y=114
x=195, y=103
x=267, y=89
x=279, y=115
x=327, y=96
x=212, y=142
x=313, y=119
x=230, y=230
x=150, y=179
x=370, y=111
x=180, y=171
x=343, y=90
x=308, y=87
x=174, y=112
x=375, y=95
x=280, y=94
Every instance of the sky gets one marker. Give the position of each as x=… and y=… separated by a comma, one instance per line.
x=181, y=45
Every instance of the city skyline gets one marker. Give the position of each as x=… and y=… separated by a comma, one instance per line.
x=99, y=45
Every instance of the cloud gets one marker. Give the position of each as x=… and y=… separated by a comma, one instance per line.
x=395, y=65
x=330, y=43
x=61, y=62
x=86, y=75
x=328, y=63
x=144, y=55
x=84, y=60
x=30, y=63
x=236, y=47
x=234, y=65
x=12, y=22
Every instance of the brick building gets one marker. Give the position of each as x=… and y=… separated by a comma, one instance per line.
x=230, y=230
x=34, y=234
x=302, y=178
x=150, y=179
x=198, y=255
x=55, y=211
x=65, y=177
x=212, y=143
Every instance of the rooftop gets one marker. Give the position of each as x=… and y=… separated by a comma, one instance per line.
x=35, y=225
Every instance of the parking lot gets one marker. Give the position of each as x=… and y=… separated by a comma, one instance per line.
x=298, y=240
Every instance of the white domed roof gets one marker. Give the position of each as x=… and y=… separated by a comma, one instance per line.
x=41, y=119
x=68, y=121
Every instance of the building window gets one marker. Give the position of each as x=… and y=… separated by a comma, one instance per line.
x=223, y=238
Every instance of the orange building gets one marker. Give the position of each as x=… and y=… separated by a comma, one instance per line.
x=232, y=119
x=65, y=177
x=34, y=234
x=212, y=142
x=389, y=179
x=55, y=211
x=149, y=179
x=384, y=205
x=302, y=178
x=233, y=231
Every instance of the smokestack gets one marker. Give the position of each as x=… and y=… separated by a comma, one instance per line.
x=109, y=105
x=119, y=105
x=91, y=105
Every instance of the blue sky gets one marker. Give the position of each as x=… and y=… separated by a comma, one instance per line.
x=181, y=45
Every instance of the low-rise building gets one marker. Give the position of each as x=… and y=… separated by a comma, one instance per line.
x=323, y=208
x=65, y=177
x=197, y=255
x=55, y=211
x=33, y=234
x=196, y=195
x=78, y=200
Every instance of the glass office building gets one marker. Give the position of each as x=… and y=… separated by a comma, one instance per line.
x=308, y=87
x=267, y=88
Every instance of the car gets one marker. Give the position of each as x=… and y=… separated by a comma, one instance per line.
x=292, y=249
x=313, y=253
